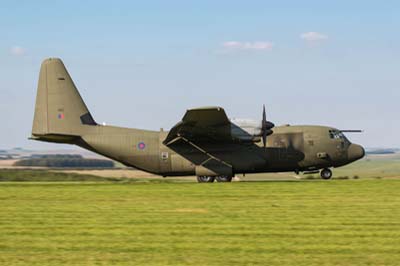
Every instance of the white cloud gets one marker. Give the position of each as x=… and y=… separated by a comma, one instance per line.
x=259, y=46
x=17, y=51
x=313, y=37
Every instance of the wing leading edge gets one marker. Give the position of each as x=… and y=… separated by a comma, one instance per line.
x=202, y=124
x=208, y=139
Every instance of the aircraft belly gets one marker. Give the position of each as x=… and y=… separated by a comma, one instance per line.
x=242, y=158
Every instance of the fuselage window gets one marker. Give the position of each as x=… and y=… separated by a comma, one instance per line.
x=164, y=155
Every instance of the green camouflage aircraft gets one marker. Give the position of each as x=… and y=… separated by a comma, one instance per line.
x=204, y=143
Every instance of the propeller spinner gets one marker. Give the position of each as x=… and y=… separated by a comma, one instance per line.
x=266, y=127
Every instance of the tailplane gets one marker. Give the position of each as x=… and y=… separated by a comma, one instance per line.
x=59, y=110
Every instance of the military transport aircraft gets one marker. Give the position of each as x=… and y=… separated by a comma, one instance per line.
x=204, y=143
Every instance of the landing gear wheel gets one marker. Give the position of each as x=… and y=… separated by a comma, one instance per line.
x=326, y=174
x=205, y=179
x=224, y=178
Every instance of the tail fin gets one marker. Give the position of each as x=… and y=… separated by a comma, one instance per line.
x=59, y=108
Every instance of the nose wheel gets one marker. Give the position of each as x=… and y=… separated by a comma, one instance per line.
x=326, y=174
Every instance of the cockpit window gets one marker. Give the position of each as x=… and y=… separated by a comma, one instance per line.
x=336, y=134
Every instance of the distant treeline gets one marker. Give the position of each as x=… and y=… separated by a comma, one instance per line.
x=381, y=152
x=5, y=157
x=56, y=156
x=64, y=160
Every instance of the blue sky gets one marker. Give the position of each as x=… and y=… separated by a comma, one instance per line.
x=143, y=63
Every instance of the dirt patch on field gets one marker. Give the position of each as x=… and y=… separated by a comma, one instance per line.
x=7, y=163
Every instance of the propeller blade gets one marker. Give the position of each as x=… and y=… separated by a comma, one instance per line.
x=264, y=127
x=264, y=138
x=264, y=116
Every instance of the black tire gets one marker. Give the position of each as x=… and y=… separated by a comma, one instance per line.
x=224, y=178
x=326, y=174
x=205, y=179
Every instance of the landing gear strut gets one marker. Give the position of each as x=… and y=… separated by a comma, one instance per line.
x=205, y=179
x=224, y=178
x=210, y=179
x=326, y=173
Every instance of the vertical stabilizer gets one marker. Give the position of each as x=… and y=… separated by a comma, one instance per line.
x=59, y=107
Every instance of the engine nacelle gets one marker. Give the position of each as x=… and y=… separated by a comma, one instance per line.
x=252, y=127
x=246, y=130
x=249, y=130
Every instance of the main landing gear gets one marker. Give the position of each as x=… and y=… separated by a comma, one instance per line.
x=326, y=173
x=224, y=178
x=205, y=179
x=210, y=179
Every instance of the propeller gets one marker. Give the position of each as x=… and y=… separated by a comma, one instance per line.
x=266, y=127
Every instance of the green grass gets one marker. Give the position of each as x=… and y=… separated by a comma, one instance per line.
x=7, y=175
x=351, y=222
x=24, y=175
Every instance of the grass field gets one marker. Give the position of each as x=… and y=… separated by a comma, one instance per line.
x=348, y=222
x=46, y=176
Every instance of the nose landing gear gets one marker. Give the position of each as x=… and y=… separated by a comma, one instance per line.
x=326, y=173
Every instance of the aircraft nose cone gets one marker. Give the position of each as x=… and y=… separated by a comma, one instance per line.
x=355, y=152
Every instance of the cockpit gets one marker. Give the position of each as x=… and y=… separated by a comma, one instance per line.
x=336, y=134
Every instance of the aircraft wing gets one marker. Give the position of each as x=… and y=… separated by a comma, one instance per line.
x=206, y=124
x=197, y=136
x=207, y=138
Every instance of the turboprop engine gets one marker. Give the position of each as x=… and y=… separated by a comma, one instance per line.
x=251, y=126
x=252, y=130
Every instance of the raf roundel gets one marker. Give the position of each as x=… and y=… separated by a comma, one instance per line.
x=141, y=146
